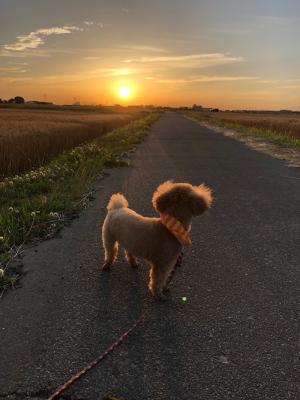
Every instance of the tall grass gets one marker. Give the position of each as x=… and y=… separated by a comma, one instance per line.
x=29, y=138
x=283, y=129
x=37, y=204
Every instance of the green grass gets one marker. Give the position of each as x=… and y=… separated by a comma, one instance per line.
x=37, y=204
x=280, y=138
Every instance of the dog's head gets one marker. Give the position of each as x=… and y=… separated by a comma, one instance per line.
x=175, y=198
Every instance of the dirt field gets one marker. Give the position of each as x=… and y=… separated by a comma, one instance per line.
x=29, y=138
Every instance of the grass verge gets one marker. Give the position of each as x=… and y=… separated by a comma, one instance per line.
x=37, y=204
x=272, y=134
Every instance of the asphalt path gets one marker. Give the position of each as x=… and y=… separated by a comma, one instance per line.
x=237, y=334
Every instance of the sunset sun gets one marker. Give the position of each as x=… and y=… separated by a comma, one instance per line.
x=124, y=92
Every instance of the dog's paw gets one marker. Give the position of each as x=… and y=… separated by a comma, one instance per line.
x=106, y=266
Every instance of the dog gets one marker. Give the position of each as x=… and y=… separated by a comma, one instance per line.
x=158, y=241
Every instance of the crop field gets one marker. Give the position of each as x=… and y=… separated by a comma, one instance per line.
x=29, y=138
x=282, y=128
x=38, y=203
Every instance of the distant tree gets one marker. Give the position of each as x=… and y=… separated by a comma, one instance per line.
x=19, y=100
x=11, y=100
x=1, y=101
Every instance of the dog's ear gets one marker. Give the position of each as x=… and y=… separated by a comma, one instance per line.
x=201, y=199
x=163, y=198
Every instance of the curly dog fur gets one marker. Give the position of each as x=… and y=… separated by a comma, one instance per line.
x=147, y=238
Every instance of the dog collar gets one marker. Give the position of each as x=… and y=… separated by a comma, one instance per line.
x=176, y=228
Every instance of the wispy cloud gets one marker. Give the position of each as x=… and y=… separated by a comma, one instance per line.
x=283, y=83
x=190, y=60
x=15, y=70
x=290, y=87
x=76, y=77
x=145, y=48
x=15, y=80
x=89, y=23
x=37, y=38
x=204, y=79
x=19, y=63
x=275, y=20
x=106, y=72
x=92, y=58
x=23, y=54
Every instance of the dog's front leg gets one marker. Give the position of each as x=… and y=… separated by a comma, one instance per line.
x=156, y=284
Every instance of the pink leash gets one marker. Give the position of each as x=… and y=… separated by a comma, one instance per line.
x=102, y=356
x=97, y=360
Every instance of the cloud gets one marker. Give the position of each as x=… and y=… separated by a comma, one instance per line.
x=289, y=87
x=19, y=63
x=13, y=80
x=89, y=23
x=284, y=83
x=35, y=39
x=275, y=20
x=15, y=70
x=144, y=48
x=203, y=79
x=116, y=71
x=190, y=60
x=23, y=54
x=92, y=58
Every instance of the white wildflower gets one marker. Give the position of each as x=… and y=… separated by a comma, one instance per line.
x=2, y=273
x=11, y=209
x=1, y=238
x=33, y=213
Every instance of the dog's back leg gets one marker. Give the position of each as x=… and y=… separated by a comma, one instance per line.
x=157, y=281
x=110, y=247
x=131, y=259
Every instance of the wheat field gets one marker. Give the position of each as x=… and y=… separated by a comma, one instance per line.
x=29, y=138
x=283, y=124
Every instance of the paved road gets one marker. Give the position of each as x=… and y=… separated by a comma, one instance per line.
x=236, y=336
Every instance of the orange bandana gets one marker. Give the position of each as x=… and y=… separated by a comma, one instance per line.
x=176, y=228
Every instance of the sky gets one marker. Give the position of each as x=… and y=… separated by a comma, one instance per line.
x=231, y=54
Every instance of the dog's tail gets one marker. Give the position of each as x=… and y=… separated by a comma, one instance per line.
x=117, y=201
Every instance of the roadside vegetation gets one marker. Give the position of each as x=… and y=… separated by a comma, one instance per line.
x=30, y=138
x=38, y=203
x=283, y=129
